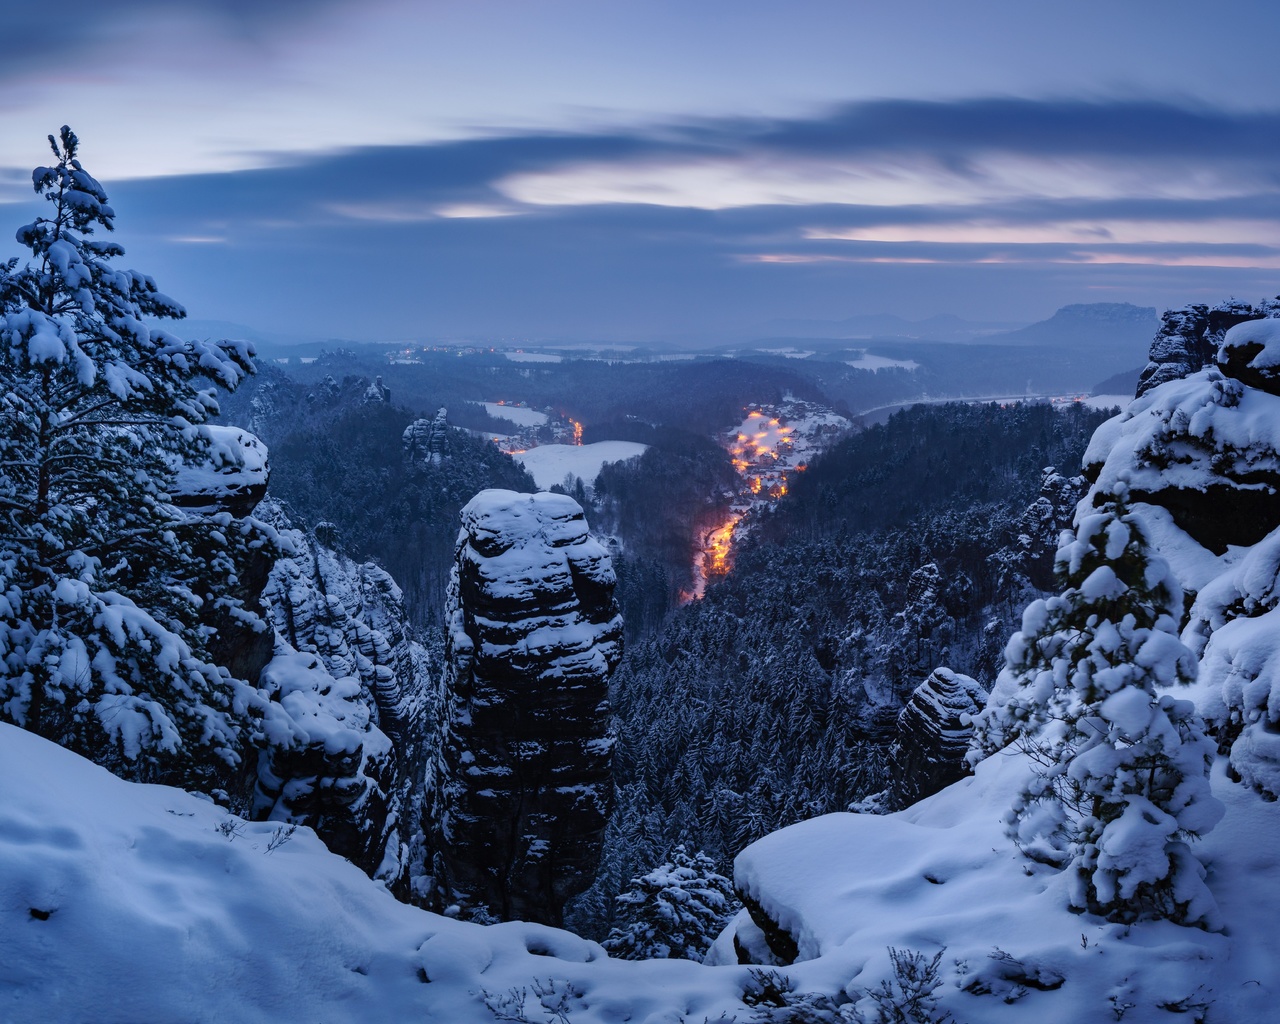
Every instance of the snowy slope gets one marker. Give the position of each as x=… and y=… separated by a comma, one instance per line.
x=942, y=873
x=121, y=902
x=548, y=464
x=153, y=914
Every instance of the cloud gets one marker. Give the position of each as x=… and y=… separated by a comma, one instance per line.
x=1224, y=231
x=52, y=40
x=711, y=221
x=880, y=180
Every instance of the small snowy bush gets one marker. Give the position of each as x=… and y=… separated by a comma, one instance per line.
x=1121, y=769
x=910, y=998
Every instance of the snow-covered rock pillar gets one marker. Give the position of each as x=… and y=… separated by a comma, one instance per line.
x=933, y=736
x=522, y=787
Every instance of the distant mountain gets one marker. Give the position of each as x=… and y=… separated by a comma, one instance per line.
x=943, y=327
x=1113, y=326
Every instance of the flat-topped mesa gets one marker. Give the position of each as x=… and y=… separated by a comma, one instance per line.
x=523, y=787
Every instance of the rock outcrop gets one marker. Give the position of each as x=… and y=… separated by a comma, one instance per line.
x=230, y=484
x=234, y=479
x=425, y=440
x=1189, y=338
x=1203, y=454
x=1205, y=448
x=933, y=736
x=1250, y=352
x=325, y=764
x=359, y=689
x=522, y=788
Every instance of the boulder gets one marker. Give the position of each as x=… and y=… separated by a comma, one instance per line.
x=1250, y=352
x=1205, y=448
x=233, y=479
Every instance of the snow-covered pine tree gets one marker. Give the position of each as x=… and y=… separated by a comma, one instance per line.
x=104, y=583
x=674, y=911
x=1121, y=767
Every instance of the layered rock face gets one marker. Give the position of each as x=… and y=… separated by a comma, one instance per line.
x=933, y=736
x=231, y=484
x=357, y=688
x=522, y=789
x=1189, y=338
x=424, y=440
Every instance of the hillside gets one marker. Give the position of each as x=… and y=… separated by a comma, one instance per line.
x=207, y=923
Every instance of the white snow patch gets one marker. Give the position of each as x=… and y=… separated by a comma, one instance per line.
x=516, y=414
x=789, y=353
x=870, y=362
x=942, y=872
x=533, y=357
x=1108, y=401
x=550, y=463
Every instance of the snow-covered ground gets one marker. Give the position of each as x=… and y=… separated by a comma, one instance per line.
x=516, y=414
x=1108, y=401
x=549, y=463
x=533, y=357
x=788, y=353
x=870, y=362
x=121, y=902
x=124, y=903
x=943, y=873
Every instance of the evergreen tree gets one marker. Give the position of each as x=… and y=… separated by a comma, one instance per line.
x=1121, y=768
x=104, y=583
x=674, y=911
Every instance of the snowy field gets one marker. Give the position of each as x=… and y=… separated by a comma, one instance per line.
x=788, y=353
x=549, y=463
x=121, y=902
x=533, y=357
x=516, y=414
x=870, y=362
x=1108, y=401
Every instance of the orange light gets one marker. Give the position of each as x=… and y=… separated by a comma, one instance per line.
x=719, y=544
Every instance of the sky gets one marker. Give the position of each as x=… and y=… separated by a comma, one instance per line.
x=525, y=170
